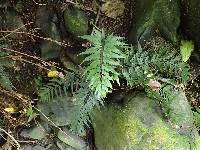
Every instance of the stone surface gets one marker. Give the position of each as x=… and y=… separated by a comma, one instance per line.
x=76, y=21
x=58, y=110
x=191, y=20
x=137, y=124
x=152, y=15
x=29, y=147
x=71, y=140
x=12, y=21
x=47, y=21
x=37, y=132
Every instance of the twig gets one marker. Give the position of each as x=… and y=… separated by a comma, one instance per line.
x=49, y=120
x=12, y=138
x=39, y=3
x=15, y=95
x=14, y=31
x=42, y=61
x=37, y=36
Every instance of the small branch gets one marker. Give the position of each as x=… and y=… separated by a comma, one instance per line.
x=36, y=36
x=14, y=31
x=39, y=3
x=18, y=96
x=12, y=138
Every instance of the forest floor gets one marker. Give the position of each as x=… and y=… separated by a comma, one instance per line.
x=29, y=67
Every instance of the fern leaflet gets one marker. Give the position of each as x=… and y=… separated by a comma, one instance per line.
x=57, y=87
x=102, y=59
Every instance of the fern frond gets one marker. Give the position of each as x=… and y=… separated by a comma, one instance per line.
x=85, y=101
x=155, y=63
x=57, y=87
x=102, y=59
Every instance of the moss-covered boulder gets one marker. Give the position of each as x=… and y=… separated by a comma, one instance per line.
x=76, y=21
x=152, y=15
x=137, y=124
x=191, y=19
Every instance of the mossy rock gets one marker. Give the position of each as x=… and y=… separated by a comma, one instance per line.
x=155, y=15
x=191, y=20
x=138, y=125
x=76, y=21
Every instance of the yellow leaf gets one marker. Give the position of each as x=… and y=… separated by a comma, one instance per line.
x=186, y=49
x=10, y=109
x=52, y=74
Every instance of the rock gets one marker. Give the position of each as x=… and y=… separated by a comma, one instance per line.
x=180, y=111
x=137, y=124
x=113, y=8
x=76, y=21
x=191, y=20
x=46, y=20
x=37, y=133
x=152, y=15
x=58, y=110
x=63, y=146
x=72, y=140
x=29, y=147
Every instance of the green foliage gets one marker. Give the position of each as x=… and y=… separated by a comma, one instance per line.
x=158, y=62
x=196, y=115
x=186, y=49
x=164, y=96
x=57, y=87
x=31, y=114
x=4, y=77
x=100, y=73
x=81, y=102
x=85, y=101
x=102, y=60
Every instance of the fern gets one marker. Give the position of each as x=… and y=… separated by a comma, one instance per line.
x=57, y=87
x=102, y=60
x=84, y=100
x=4, y=77
x=157, y=62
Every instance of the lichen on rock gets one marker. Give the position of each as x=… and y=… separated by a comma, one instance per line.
x=113, y=8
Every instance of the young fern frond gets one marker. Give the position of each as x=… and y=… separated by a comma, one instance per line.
x=4, y=77
x=102, y=59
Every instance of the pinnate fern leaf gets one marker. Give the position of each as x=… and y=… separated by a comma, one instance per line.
x=102, y=59
x=57, y=87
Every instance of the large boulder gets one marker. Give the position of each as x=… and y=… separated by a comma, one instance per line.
x=152, y=15
x=76, y=21
x=137, y=123
x=191, y=19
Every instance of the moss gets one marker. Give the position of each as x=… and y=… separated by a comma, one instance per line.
x=136, y=126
